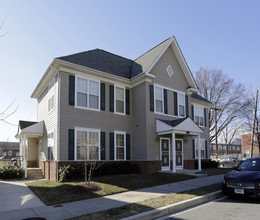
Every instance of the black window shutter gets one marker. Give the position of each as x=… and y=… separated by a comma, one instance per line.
x=175, y=94
x=127, y=102
x=151, y=98
x=187, y=105
x=71, y=144
x=111, y=98
x=103, y=96
x=192, y=112
x=165, y=101
x=111, y=146
x=128, y=146
x=71, y=90
x=103, y=146
x=206, y=149
x=193, y=148
x=205, y=117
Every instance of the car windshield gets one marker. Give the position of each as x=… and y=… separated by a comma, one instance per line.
x=250, y=165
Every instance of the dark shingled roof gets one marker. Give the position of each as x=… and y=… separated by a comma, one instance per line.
x=173, y=123
x=104, y=61
x=25, y=124
x=9, y=145
x=198, y=97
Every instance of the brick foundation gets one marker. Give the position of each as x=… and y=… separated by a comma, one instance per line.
x=148, y=166
x=32, y=163
x=49, y=171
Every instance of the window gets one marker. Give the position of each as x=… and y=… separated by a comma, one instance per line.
x=10, y=153
x=199, y=115
x=51, y=96
x=87, y=144
x=202, y=148
x=120, y=100
x=120, y=145
x=181, y=104
x=158, y=99
x=87, y=93
x=50, y=145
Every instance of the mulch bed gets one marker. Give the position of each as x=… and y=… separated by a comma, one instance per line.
x=85, y=188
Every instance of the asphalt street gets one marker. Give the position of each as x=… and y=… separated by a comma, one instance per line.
x=224, y=208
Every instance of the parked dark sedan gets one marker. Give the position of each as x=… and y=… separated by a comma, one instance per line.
x=230, y=162
x=244, y=180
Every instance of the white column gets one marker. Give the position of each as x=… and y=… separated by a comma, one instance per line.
x=25, y=143
x=173, y=152
x=199, y=154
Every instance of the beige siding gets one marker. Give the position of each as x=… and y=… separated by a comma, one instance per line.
x=178, y=80
x=50, y=120
x=140, y=99
x=71, y=117
x=33, y=148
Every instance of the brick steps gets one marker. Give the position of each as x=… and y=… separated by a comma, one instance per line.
x=34, y=173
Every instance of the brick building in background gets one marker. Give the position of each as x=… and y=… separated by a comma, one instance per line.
x=9, y=149
x=246, y=142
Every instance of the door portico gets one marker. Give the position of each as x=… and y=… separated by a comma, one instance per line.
x=184, y=127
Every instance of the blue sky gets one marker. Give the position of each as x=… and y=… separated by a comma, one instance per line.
x=215, y=34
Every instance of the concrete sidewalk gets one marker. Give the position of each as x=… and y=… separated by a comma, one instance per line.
x=73, y=209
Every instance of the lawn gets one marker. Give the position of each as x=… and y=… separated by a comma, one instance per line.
x=149, y=204
x=52, y=193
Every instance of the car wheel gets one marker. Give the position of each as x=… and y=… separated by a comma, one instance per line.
x=221, y=165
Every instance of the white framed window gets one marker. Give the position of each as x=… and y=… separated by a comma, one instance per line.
x=159, y=105
x=181, y=104
x=51, y=92
x=87, y=93
x=4, y=153
x=87, y=143
x=202, y=148
x=10, y=152
x=119, y=99
x=50, y=145
x=120, y=145
x=199, y=115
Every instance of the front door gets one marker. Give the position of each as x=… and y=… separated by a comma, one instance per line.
x=179, y=154
x=165, y=153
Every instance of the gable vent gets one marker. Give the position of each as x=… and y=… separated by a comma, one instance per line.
x=170, y=71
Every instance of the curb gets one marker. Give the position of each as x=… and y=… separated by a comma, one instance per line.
x=166, y=210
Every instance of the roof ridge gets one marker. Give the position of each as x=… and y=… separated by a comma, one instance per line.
x=153, y=48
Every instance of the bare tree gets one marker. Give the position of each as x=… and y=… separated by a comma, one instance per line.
x=248, y=112
x=1, y=26
x=229, y=98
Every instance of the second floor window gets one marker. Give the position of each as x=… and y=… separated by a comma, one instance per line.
x=87, y=93
x=181, y=104
x=120, y=100
x=199, y=115
x=158, y=99
x=51, y=96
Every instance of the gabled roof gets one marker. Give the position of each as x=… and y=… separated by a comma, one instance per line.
x=200, y=98
x=103, y=61
x=183, y=125
x=9, y=145
x=24, y=124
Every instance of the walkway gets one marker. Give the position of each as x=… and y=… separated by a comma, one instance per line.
x=73, y=209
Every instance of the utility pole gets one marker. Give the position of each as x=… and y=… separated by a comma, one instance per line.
x=216, y=128
x=253, y=130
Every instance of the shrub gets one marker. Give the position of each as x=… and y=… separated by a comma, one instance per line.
x=107, y=168
x=11, y=172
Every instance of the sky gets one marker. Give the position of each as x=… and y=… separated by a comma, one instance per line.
x=212, y=34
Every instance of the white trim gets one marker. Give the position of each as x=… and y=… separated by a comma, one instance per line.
x=200, y=107
x=155, y=109
x=201, y=140
x=180, y=167
x=86, y=130
x=115, y=146
x=79, y=76
x=115, y=110
x=199, y=154
x=169, y=153
x=173, y=152
x=51, y=96
x=159, y=57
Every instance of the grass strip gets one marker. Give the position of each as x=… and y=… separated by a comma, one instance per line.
x=52, y=193
x=149, y=204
